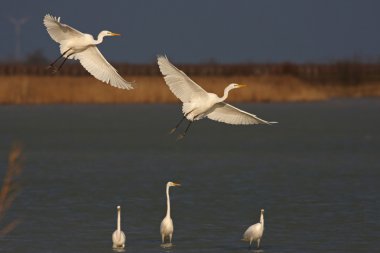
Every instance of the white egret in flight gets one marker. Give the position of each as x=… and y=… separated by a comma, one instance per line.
x=118, y=236
x=198, y=103
x=166, y=228
x=255, y=232
x=82, y=46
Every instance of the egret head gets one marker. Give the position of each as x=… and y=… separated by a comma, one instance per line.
x=118, y=207
x=262, y=210
x=236, y=86
x=170, y=184
x=108, y=33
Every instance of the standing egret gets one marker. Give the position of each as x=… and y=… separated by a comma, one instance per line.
x=198, y=104
x=166, y=228
x=255, y=232
x=82, y=46
x=118, y=236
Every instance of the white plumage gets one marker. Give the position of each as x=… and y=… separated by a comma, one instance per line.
x=81, y=46
x=118, y=236
x=255, y=232
x=198, y=104
x=166, y=227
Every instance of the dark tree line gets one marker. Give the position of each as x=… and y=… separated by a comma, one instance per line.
x=348, y=72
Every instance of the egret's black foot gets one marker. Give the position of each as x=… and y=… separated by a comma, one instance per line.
x=180, y=137
x=173, y=130
x=52, y=68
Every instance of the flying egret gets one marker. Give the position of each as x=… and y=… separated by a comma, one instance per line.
x=118, y=236
x=255, y=232
x=166, y=228
x=82, y=46
x=198, y=103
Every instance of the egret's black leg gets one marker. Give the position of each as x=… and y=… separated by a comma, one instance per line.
x=188, y=126
x=54, y=62
x=60, y=66
x=184, y=133
x=179, y=123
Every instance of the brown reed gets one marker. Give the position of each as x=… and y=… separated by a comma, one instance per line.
x=152, y=89
x=10, y=187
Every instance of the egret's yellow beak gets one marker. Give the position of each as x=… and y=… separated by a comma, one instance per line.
x=242, y=85
x=176, y=184
x=115, y=34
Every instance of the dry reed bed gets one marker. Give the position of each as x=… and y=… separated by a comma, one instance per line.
x=152, y=89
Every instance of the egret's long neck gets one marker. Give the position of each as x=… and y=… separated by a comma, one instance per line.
x=100, y=39
x=225, y=94
x=118, y=220
x=167, y=202
x=262, y=219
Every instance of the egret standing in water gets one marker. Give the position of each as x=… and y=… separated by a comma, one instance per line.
x=166, y=228
x=118, y=237
x=198, y=103
x=82, y=46
x=255, y=232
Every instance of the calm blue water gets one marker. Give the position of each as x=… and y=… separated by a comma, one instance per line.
x=315, y=174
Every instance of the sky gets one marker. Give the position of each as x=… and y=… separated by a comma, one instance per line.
x=193, y=31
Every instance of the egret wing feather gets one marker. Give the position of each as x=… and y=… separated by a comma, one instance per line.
x=179, y=83
x=118, y=238
x=95, y=63
x=253, y=233
x=58, y=31
x=226, y=113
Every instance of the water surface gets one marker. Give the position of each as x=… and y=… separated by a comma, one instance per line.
x=315, y=174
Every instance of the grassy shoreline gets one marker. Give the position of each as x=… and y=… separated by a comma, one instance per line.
x=152, y=89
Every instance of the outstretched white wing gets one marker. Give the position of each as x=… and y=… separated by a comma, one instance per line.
x=94, y=62
x=179, y=83
x=226, y=113
x=59, y=32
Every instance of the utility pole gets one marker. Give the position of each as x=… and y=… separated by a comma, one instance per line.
x=17, y=23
